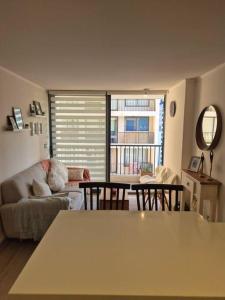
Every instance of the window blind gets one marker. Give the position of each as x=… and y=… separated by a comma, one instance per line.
x=78, y=129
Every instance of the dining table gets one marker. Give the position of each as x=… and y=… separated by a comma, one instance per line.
x=126, y=255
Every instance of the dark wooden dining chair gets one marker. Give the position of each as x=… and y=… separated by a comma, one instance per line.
x=108, y=195
x=155, y=195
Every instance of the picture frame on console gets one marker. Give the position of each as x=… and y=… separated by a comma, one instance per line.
x=194, y=164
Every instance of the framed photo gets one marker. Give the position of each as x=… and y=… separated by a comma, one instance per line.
x=40, y=128
x=36, y=128
x=31, y=128
x=18, y=117
x=194, y=164
x=38, y=108
x=12, y=122
x=32, y=109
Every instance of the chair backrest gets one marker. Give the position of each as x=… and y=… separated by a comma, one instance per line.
x=108, y=195
x=155, y=193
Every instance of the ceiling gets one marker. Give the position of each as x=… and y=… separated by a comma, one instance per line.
x=111, y=44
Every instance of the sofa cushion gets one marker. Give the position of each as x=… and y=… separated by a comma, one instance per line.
x=147, y=179
x=71, y=186
x=75, y=174
x=46, y=165
x=55, y=181
x=41, y=188
x=59, y=168
x=86, y=174
x=76, y=199
x=20, y=185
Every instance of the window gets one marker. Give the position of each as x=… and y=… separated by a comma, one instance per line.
x=114, y=104
x=78, y=126
x=137, y=124
x=113, y=130
x=130, y=102
x=142, y=124
x=131, y=124
x=114, y=124
x=137, y=102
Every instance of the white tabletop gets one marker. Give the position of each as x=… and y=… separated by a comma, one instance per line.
x=120, y=253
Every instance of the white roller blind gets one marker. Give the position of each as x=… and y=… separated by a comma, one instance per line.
x=79, y=132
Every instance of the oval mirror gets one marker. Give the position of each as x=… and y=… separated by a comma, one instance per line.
x=209, y=128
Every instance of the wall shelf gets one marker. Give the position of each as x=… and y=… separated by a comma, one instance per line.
x=17, y=130
x=37, y=116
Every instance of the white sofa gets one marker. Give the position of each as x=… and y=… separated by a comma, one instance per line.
x=25, y=217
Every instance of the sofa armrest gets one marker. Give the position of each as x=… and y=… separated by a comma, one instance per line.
x=86, y=174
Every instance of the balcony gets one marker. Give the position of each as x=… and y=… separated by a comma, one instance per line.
x=129, y=159
x=132, y=137
x=133, y=105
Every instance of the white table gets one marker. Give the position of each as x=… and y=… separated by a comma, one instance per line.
x=85, y=255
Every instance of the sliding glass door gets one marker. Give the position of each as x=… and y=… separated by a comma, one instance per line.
x=137, y=134
x=78, y=131
x=113, y=134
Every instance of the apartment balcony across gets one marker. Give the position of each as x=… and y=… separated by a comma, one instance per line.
x=132, y=137
x=133, y=105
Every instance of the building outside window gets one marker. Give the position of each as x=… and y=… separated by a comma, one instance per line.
x=114, y=104
x=114, y=129
x=138, y=102
x=136, y=134
x=137, y=124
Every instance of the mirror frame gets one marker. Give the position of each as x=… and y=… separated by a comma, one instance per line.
x=199, y=135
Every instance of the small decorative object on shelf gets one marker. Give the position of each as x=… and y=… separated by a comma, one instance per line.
x=211, y=156
x=38, y=108
x=194, y=164
x=202, y=165
x=32, y=110
x=31, y=128
x=18, y=117
x=40, y=128
x=12, y=123
x=36, y=128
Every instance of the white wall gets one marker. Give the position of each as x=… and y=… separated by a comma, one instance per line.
x=19, y=150
x=174, y=128
x=191, y=96
x=210, y=90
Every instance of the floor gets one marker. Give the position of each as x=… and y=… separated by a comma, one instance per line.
x=13, y=256
x=132, y=201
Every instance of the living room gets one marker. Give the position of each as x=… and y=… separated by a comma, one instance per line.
x=73, y=48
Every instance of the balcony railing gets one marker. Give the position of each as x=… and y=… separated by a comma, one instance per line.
x=130, y=159
x=132, y=137
x=121, y=106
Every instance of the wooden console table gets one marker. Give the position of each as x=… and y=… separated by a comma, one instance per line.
x=200, y=194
